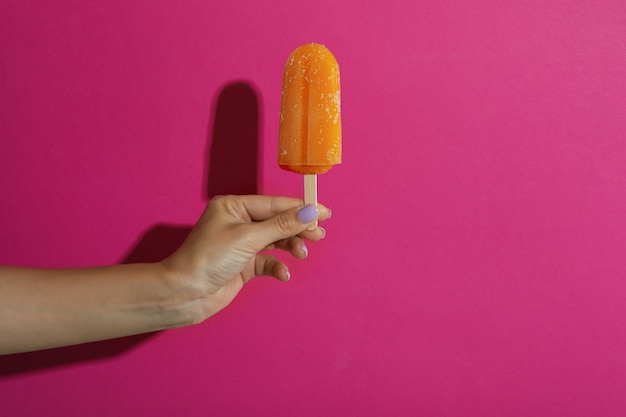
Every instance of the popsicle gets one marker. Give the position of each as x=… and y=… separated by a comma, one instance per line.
x=309, y=140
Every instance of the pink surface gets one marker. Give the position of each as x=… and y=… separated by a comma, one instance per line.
x=474, y=265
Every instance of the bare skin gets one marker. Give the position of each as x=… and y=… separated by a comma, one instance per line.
x=45, y=308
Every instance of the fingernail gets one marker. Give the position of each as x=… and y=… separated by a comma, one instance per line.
x=323, y=232
x=308, y=213
x=288, y=274
x=330, y=213
x=305, y=250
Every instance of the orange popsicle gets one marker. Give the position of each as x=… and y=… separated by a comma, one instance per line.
x=309, y=140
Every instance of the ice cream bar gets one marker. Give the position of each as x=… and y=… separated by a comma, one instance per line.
x=310, y=116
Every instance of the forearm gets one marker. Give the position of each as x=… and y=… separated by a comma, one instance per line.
x=44, y=308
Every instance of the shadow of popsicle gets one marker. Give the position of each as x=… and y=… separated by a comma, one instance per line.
x=233, y=154
x=231, y=167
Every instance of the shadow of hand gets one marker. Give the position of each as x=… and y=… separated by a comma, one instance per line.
x=232, y=168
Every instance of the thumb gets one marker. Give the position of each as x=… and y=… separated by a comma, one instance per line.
x=287, y=224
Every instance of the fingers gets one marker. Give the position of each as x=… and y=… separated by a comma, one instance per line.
x=294, y=245
x=271, y=266
x=261, y=207
x=288, y=244
x=316, y=234
x=263, y=222
x=287, y=224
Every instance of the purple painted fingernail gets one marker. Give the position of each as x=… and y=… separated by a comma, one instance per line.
x=305, y=250
x=308, y=213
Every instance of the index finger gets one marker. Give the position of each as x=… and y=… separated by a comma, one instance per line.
x=262, y=207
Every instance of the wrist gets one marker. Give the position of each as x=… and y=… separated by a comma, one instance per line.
x=181, y=301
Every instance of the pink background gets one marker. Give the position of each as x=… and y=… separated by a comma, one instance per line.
x=474, y=265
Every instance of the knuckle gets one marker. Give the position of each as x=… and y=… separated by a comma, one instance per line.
x=284, y=224
x=233, y=206
x=219, y=199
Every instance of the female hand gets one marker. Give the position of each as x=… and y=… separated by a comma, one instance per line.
x=43, y=308
x=221, y=253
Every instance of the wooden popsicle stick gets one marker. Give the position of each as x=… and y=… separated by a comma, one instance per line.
x=310, y=193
